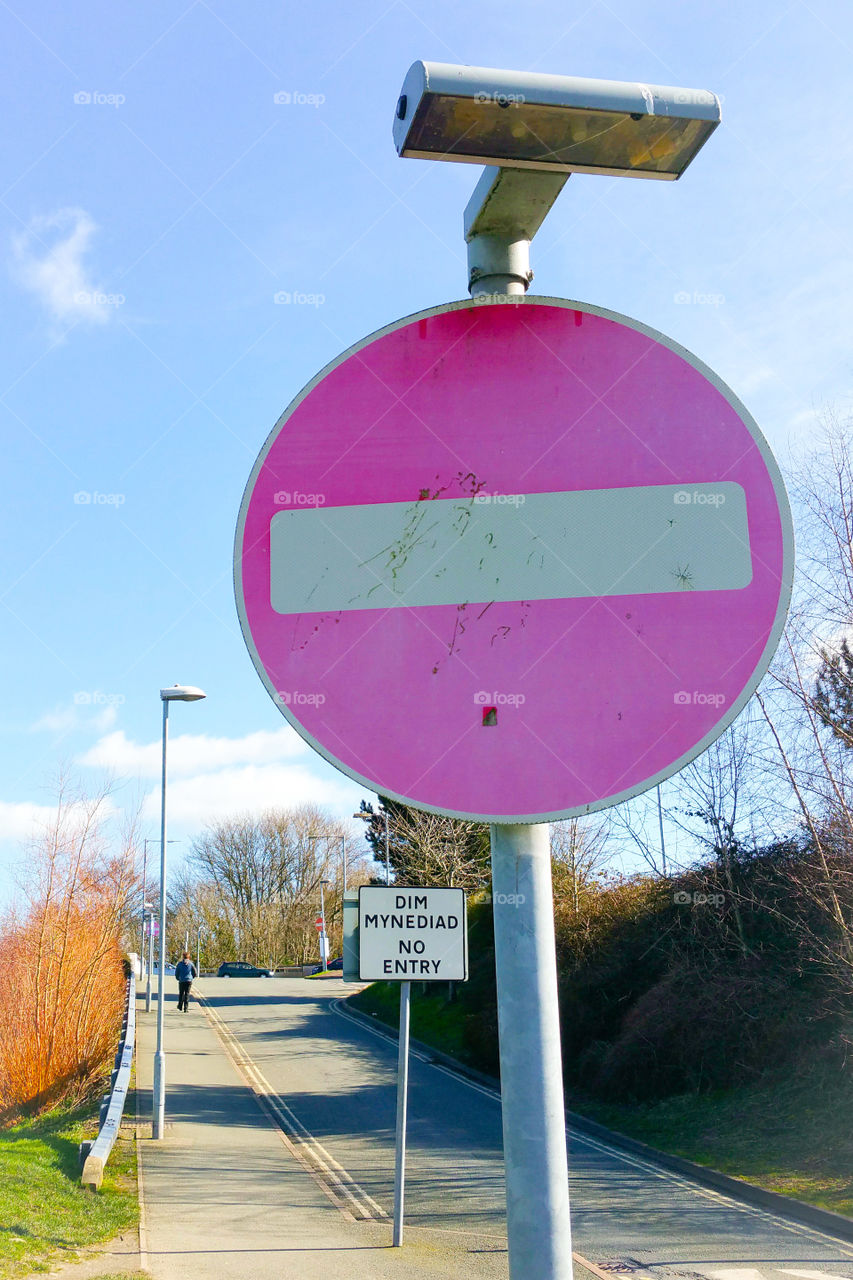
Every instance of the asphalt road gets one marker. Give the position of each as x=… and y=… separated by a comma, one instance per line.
x=331, y=1080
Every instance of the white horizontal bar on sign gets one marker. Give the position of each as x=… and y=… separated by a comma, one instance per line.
x=649, y=539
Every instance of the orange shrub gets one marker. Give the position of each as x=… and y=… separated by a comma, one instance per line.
x=62, y=979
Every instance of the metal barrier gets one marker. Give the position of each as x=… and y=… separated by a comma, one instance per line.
x=98, y=1152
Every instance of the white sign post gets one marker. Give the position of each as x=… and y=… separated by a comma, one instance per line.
x=406, y=933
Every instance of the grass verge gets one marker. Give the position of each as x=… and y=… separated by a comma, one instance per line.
x=787, y=1132
x=784, y=1133
x=125, y=1275
x=434, y=1020
x=46, y=1217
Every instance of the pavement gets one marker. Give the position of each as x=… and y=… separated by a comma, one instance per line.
x=228, y=1193
x=278, y=1160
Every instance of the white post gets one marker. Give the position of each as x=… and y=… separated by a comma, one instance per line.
x=402, y=1102
x=344, y=861
x=150, y=960
x=387, y=852
x=158, y=1120
x=534, y=1122
x=144, y=895
x=324, y=959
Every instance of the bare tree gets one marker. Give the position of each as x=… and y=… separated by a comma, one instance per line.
x=429, y=848
x=721, y=803
x=580, y=852
x=636, y=827
x=259, y=876
x=815, y=765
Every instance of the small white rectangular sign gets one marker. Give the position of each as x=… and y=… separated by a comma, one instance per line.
x=407, y=934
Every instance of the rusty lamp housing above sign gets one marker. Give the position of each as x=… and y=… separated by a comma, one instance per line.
x=562, y=124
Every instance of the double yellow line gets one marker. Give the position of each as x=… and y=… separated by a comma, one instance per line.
x=344, y=1192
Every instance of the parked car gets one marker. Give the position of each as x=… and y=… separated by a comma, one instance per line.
x=318, y=968
x=168, y=969
x=242, y=969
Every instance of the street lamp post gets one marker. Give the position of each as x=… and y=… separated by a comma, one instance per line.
x=368, y=817
x=178, y=693
x=662, y=842
x=343, y=856
x=144, y=890
x=147, y=918
x=146, y=905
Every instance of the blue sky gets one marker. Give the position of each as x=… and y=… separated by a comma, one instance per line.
x=157, y=197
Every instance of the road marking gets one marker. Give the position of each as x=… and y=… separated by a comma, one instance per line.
x=344, y=1192
x=492, y=1094
x=578, y=1136
x=642, y=540
x=752, y=1273
x=737, y=1273
x=811, y=1275
x=728, y=1201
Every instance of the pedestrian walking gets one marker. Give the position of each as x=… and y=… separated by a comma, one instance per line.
x=184, y=972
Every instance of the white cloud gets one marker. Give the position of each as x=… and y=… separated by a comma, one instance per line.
x=49, y=260
x=212, y=778
x=21, y=821
x=805, y=418
x=193, y=802
x=191, y=753
x=754, y=377
x=65, y=719
x=24, y=820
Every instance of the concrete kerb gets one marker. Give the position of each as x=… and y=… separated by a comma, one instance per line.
x=809, y=1215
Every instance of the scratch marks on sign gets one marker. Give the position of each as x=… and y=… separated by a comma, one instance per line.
x=683, y=577
x=424, y=546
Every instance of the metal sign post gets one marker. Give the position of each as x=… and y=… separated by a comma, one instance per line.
x=534, y=1126
x=399, y=932
x=402, y=1104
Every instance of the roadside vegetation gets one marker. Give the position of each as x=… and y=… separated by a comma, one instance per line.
x=740, y=1065
x=62, y=990
x=46, y=1217
x=62, y=980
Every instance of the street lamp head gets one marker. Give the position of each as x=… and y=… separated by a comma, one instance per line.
x=562, y=124
x=182, y=693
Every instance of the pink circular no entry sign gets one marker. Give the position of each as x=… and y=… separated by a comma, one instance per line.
x=513, y=562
